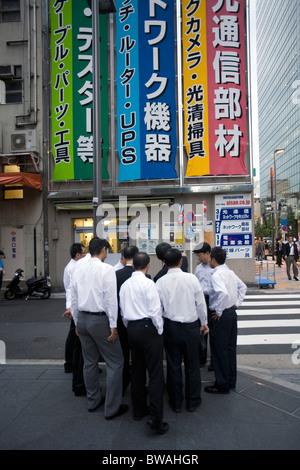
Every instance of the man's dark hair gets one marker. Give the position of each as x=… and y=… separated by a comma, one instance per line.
x=96, y=245
x=129, y=251
x=140, y=260
x=173, y=257
x=218, y=254
x=161, y=250
x=76, y=248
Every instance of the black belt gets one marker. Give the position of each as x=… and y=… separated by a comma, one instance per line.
x=142, y=319
x=100, y=314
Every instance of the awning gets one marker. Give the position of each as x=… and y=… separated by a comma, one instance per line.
x=33, y=180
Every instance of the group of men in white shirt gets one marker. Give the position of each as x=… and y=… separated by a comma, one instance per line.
x=169, y=314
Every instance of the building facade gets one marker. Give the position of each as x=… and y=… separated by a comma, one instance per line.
x=175, y=154
x=278, y=61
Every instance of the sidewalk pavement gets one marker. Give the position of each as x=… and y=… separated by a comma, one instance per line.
x=40, y=412
x=283, y=284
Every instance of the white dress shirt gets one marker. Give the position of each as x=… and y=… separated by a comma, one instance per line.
x=67, y=280
x=94, y=289
x=139, y=299
x=227, y=289
x=181, y=296
x=203, y=273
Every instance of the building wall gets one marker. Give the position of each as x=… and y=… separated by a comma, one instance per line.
x=278, y=61
x=21, y=44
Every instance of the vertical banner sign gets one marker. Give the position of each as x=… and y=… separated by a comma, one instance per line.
x=233, y=225
x=72, y=90
x=146, y=111
x=214, y=86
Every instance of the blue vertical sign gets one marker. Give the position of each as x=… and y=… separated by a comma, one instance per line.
x=233, y=225
x=146, y=110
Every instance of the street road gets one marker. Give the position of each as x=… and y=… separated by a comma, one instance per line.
x=35, y=330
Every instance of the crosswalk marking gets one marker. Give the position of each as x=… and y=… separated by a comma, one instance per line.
x=272, y=296
x=268, y=339
x=272, y=303
x=268, y=323
x=275, y=306
x=285, y=311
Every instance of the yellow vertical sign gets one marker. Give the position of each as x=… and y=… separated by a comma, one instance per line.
x=195, y=87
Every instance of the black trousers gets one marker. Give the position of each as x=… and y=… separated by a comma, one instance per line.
x=146, y=355
x=123, y=336
x=223, y=338
x=78, y=384
x=69, y=347
x=182, y=343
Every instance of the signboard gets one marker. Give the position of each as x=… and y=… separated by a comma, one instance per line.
x=146, y=108
x=13, y=245
x=214, y=65
x=233, y=225
x=72, y=90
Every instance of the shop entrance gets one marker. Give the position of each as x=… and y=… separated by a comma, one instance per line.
x=117, y=237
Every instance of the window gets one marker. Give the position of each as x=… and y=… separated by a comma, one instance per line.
x=11, y=82
x=10, y=10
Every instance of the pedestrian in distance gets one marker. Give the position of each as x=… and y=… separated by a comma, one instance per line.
x=279, y=251
x=122, y=275
x=260, y=250
x=291, y=254
x=94, y=308
x=203, y=273
x=185, y=318
x=228, y=293
x=141, y=312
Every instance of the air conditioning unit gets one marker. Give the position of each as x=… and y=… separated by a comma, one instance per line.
x=23, y=141
x=7, y=71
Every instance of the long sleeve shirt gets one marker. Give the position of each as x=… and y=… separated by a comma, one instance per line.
x=67, y=280
x=139, y=299
x=94, y=289
x=227, y=290
x=203, y=273
x=181, y=296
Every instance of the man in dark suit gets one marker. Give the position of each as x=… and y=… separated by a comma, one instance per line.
x=161, y=250
x=279, y=251
x=122, y=275
x=291, y=254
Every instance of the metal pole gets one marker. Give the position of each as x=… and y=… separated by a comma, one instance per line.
x=275, y=192
x=97, y=141
x=272, y=211
x=275, y=188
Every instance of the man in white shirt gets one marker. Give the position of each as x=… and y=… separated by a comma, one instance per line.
x=185, y=318
x=141, y=312
x=77, y=252
x=228, y=293
x=203, y=273
x=94, y=308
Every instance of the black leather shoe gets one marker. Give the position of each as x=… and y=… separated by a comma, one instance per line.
x=193, y=408
x=121, y=411
x=80, y=393
x=98, y=406
x=214, y=389
x=160, y=428
x=296, y=279
x=139, y=416
x=176, y=410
